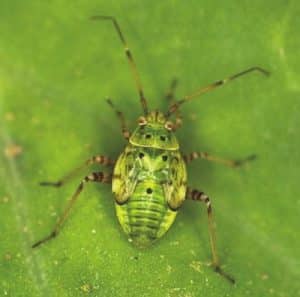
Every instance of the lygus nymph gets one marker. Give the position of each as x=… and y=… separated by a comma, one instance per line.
x=149, y=178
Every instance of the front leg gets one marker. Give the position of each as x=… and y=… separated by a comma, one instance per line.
x=200, y=196
x=170, y=96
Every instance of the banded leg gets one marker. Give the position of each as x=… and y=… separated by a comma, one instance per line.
x=231, y=163
x=130, y=59
x=169, y=95
x=94, y=177
x=120, y=115
x=200, y=196
x=212, y=86
x=99, y=159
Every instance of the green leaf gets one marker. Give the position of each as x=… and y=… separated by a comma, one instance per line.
x=56, y=69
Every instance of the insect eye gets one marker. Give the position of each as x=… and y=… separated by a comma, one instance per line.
x=141, y=155
x=149, y=191
x=169, y=126
x=142, y=121
x=148, y=136
x=162, y=138
x=165, y=158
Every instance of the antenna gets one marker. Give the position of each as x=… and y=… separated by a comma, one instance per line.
x=175, y=106
x=130, y=59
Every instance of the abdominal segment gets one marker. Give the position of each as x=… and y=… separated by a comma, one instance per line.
x=146, y=215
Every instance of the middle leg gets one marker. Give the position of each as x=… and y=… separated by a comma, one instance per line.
x=231, y=163
x=99, y=159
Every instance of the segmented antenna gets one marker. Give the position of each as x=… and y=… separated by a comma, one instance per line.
x=129, y=56
x=175, y=106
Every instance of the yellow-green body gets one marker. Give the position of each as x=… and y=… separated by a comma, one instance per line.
x=149, y=182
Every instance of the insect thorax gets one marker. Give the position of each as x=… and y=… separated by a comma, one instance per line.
x=149, y=185
x=155, y=133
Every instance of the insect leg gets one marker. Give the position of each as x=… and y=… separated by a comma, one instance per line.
x=120, y=115
x=212, y=86
x=231, y=163
x=130, y=59
x=169, y=95
x=94, y=177
x=200, y=196
x=99, y=159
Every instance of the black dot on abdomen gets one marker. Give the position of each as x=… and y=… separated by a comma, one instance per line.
x=149, y=191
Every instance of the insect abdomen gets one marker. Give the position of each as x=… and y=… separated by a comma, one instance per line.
x=146, y=216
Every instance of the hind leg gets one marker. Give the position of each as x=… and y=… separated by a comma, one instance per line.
x=202, y=197
x=94, y=177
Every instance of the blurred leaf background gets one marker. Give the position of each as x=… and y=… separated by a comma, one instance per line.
x=56, y=69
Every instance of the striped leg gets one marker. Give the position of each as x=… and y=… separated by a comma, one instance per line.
x=120, y=115
x=94, y=177
x=99, y=159
x=231, y=163
x=169, y=95
x=200, y=196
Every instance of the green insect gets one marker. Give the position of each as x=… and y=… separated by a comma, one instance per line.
x=149, y=179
